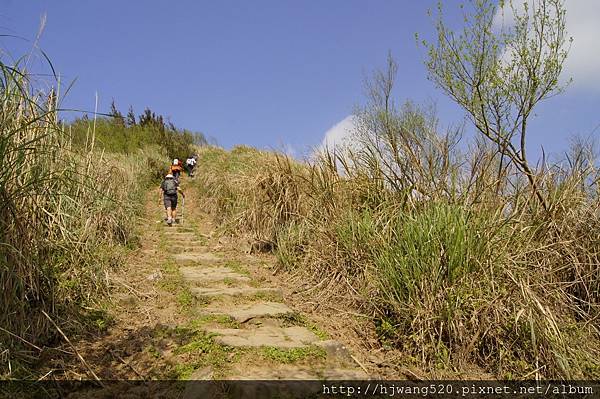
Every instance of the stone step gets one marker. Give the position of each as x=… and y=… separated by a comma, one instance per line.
x=176, y=235
x=183, y=238
x=176, y=249
x=286, y=372
x=188, y=245
x=210, y=274
x=233, y=291
x=279, y=337
x=292, y=372
x=178, y=228
x=243, y=313
x=336, y=351
x=200, y=257
x=285, y=381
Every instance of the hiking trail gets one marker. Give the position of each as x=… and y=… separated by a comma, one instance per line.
x=192, y=304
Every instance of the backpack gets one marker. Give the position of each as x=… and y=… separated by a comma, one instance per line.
x=170, y=187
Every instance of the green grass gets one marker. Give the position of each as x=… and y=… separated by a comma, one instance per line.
x=259, y=296
x=98, y=318
x=296, y=319
x=317, y=331
x=237, y=267
x=185, y=299
x=200, y=343
x=293, y=355
x=200, y=351
x=292, y=319
x=229, y=282
x=153, y=351
x=430, y=250
x=223, y=320
x=173, y=282
x=183, y=371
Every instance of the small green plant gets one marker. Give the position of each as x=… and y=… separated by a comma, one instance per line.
x=185, y=299
x=155, y=353
x=182, y=371
x=200, y=350
x=292, y=319
x=293, y=355
x=317, y=331
x=200, y=343
x=236, y=266
x=229, y=282
x=296, y=319
x=259, y=296
x=224, y=320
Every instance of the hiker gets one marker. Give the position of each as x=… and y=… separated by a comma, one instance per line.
x=190, y=163
x=176, y=170
x=169, y=189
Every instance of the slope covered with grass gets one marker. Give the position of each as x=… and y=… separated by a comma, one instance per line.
x=456, y=273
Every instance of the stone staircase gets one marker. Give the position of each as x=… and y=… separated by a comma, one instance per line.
x=261, y=318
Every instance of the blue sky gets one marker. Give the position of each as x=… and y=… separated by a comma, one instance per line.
x=267, y=73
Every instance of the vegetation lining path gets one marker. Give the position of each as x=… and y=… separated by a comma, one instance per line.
x=190, y=306
x=246, y=318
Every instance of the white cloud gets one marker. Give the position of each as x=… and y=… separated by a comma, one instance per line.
x=339, y=135
x=583, y=62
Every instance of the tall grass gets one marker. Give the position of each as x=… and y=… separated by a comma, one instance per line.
x=66, y=211
x=448, y=250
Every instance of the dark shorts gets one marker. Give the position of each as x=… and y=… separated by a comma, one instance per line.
x=170, y=201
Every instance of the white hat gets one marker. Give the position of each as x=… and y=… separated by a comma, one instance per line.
x=169, y=176
x=175, y=161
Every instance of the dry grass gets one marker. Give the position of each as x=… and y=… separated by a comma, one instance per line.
x=66, y=217
x=470, y=271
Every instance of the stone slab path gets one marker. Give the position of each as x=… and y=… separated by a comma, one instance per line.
x=192, y=304
x=202, y=257
x=243, y=313
x=209, y=278
x=232, y=291
x=278, y=337
x=210, y=274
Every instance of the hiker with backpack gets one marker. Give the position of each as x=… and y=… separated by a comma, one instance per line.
x=176, y=170
x=190, y=163
x=169, y=189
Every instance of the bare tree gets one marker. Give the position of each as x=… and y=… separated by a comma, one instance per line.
x=402, y=145
x=500, y=74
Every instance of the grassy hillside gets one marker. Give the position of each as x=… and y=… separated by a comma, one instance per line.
x=465, y=270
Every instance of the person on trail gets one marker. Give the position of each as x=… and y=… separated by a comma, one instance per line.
x=169, y=189
x=176, y=170
x=190, y=163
